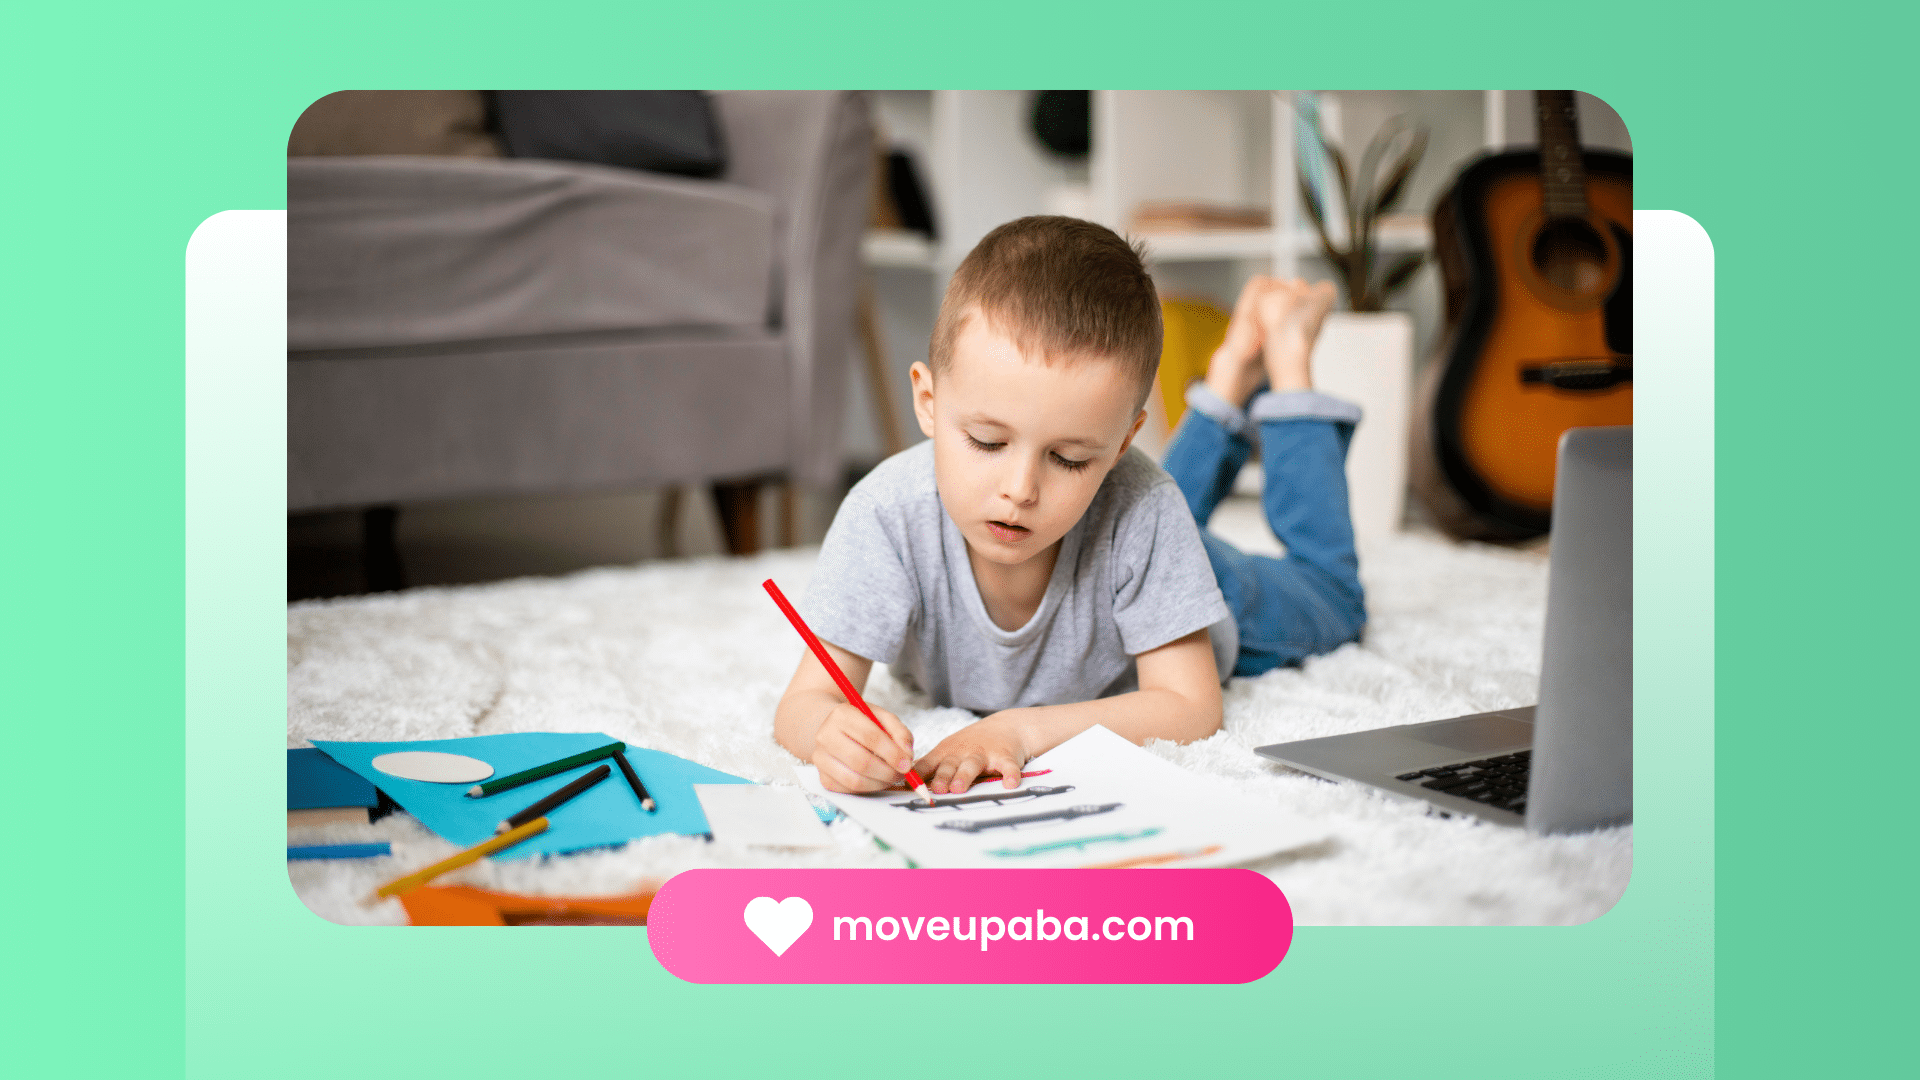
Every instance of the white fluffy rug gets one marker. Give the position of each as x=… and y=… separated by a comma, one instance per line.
x=690, y=657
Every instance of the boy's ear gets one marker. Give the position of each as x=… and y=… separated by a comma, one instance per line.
x=1127, y=443
x=922, y=377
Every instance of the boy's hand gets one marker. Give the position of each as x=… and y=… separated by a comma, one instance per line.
x=853, y=756
x=990, y=745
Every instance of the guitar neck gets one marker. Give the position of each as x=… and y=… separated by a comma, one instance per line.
x=1563, y=172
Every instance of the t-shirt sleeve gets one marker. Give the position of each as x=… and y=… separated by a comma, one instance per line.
x=861, y=597
x=1164, y=587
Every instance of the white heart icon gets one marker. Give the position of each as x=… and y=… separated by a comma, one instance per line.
x=778, y=925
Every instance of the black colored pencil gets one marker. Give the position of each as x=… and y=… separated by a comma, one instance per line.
x=633, y=781
x=565, y=794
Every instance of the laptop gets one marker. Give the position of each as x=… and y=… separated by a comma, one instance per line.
x=1566, y=764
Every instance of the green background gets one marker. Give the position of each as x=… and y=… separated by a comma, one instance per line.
x=156, y=934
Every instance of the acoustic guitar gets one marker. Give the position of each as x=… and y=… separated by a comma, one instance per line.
x=1536, y=252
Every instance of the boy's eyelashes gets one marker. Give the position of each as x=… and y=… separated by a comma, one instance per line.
x=989, y=447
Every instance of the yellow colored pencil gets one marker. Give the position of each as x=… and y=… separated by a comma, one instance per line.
x=471, y=855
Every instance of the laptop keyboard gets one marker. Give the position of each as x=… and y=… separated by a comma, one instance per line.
x=1496, y=781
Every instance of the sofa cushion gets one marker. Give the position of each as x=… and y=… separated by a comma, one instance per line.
x=450, y=123
x=670, y=131
x=387, y=251
x=534, y=417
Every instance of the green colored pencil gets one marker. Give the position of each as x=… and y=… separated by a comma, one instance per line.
x=528, y=776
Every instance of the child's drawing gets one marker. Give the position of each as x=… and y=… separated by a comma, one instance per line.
x=1143, y=811
x=988, y=799
x=1019, y=820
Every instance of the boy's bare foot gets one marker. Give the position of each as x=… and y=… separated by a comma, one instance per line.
x=1290, y=315
x=1235, y=370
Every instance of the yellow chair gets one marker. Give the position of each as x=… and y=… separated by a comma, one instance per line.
x=1193, y=330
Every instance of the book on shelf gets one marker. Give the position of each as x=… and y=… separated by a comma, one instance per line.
x=1182, y=216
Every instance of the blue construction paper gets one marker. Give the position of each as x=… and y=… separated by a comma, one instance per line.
x=339, y=851
x=608, y=813
x=315, y=781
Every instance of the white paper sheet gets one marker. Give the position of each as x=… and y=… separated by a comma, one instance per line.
x=1105, y=801
x=756, y=814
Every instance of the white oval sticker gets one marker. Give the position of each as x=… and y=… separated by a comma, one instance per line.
x=433, y=766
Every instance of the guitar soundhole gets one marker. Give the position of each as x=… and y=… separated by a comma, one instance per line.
x=1570, y=254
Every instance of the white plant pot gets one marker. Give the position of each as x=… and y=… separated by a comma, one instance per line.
x=1368, y=359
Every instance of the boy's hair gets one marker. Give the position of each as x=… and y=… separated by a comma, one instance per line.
x=1060, y=287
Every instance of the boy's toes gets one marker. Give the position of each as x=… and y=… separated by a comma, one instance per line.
x=1320, y=296
x=1250, y=294
x=1275, y=306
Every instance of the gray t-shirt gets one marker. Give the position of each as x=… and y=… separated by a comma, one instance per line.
x=894, y=585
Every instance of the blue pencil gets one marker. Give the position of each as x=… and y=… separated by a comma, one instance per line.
x=339, y=851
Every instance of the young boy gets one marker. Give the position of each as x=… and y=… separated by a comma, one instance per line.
x=1022, y=564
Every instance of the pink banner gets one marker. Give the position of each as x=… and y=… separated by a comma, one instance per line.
x=970, y=926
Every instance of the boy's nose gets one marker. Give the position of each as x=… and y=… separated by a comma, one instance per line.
x=1020, y=485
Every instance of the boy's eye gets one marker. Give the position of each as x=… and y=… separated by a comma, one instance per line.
x=1070, y=464
x=989, y=447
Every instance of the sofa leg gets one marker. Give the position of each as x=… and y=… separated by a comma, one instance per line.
x=669, y=522
x=379, y=551
x=789, y=515
x=739, y=505
x=880, y=384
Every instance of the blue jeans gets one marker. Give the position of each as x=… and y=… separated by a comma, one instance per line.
x=1310, y=601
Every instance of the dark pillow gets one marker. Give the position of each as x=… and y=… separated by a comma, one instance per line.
x=451, y=123
x=670, y=131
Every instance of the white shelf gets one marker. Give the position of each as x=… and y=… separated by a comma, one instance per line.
x=1396, y=234
x=1199, y=246
x=896, y=249
x=1208, y=244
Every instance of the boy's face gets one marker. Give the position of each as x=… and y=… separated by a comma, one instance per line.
x=1020, y=447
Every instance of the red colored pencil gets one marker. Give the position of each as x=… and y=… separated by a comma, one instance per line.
x=986, y=776
x=839, y=677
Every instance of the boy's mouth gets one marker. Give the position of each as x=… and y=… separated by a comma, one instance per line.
x=1008, y=533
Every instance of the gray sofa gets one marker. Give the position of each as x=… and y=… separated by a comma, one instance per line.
x=462, y=327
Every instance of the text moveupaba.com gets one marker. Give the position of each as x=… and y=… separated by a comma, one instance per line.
x=1036, y=927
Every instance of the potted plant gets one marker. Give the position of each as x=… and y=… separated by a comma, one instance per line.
x=1365, y=354
x=1365, y=196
